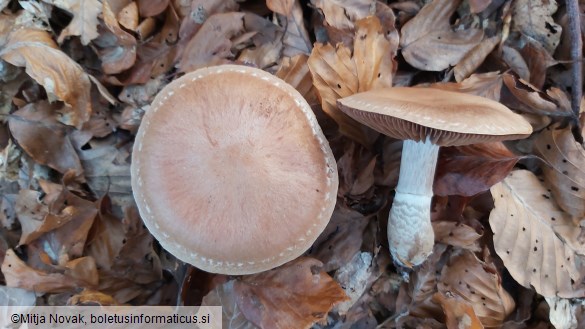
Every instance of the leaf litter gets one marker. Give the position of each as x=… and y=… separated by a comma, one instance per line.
x=508, y=218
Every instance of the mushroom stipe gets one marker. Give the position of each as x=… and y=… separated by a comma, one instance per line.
x=231, y=171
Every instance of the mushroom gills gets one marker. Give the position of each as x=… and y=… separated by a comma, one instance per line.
x=410, y=233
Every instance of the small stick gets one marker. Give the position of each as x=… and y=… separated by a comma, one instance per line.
x=576, y=58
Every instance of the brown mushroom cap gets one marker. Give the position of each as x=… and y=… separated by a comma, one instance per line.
x=231, y=171
x=448, y=118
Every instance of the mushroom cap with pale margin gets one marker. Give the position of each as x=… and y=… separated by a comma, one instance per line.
x=231, y=171
x=448, y=118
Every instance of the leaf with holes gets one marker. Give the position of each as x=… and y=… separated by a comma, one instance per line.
x=479, y=284
x=537, y=241
x=564, y=171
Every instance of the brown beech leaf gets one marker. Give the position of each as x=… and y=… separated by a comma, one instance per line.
x=212, y=44
x=281, y=7
x=336, y=73
x=428, y=42
x=533, y=18
x=527, y=98
x=341, y=239
x=18, y=274
x=47, y=141
x=295, y=71
x=472, y=169
x=479, y=285
x=117, y=47
x=342, y=14
x=458, y=312
x=563, y=171
x=456, y=234
x=150, y=8
x=61, y=77
x=128, y=16
x=474, y=58
x=296, y=38
x=225, y=296
x=513, y=58
x=200, y=10
x=107, y=171
x=85, y=19
x=538, y=242
x=486, y=85
x=295, y=295
x=538, y=60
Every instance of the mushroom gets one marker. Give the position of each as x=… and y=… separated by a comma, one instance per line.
x=231, y=171
x=426, y=119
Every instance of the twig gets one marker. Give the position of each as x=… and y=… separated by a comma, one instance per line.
x=573, y=14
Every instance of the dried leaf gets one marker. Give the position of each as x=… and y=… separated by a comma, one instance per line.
x=20, y=275
x=459, y=313
x=296, y=38
x=537, y=241
x=200, y=10
x=118, y=47
x=533, y=18
x=563, y=170
x=212, y=44
x=479, y=284
x=472, y=169
x=149, y=8
x=531, y=100
x=53, y=69
x=295, y=71
x=107, y=171
x=474, y=58
x=538, y=60
x=85, y=19
x=456, y=234
x=341, y=239
x=225, y=296
x=513, y=58
x=43, y=138
x=354, y=279
x=486, y=85
x=295, y=295
x=283, y=7
x=342, y=14
x=337, y=74
x=428, y=42
x=128, y=16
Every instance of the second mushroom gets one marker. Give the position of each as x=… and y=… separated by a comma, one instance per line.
x=426, y=119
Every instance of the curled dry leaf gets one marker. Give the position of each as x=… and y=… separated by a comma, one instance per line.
x=513, y=58
x=533, y=18
x=118, y=47
x=488, y=85
x=474, y=58
x=47, y=141
x=527, y=98
x=296, y=38
x=538, y=60
x=295, y=71
x=342, y=14
x=212, y=44
x=19, y=275
x=354, y=278
x=456, y=234
x=199, y=11
x=459, y=313
x=128, y=16
x=563, y=170
x=225, y=296
x=428, y=42
x=107, y=171
x=537, y=241
x=337, y=74
x=472, y=169
x=478, y=284
x=341, y=239
x=85, y=19
x=53, y=69
x=295, y=295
